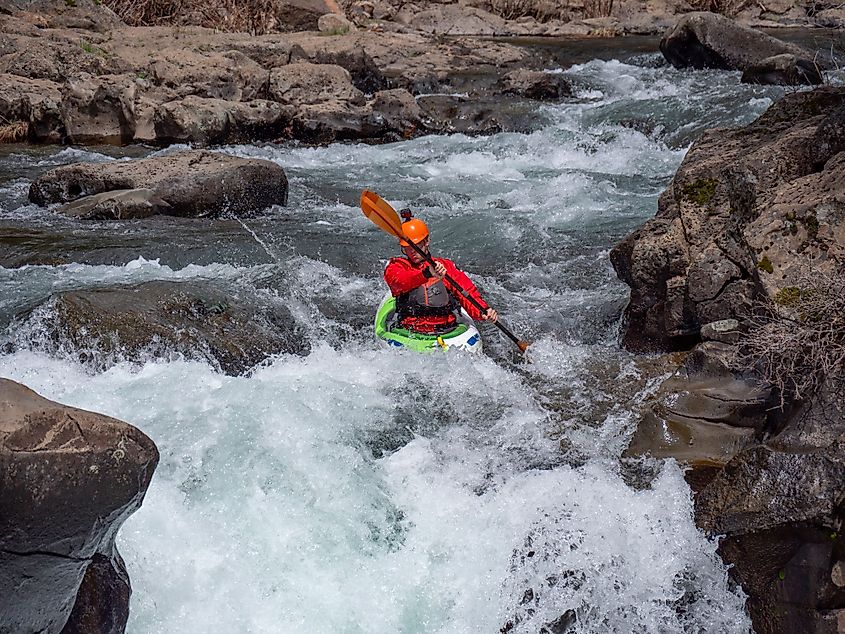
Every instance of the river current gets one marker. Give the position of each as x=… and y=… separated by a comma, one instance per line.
x=362, y=489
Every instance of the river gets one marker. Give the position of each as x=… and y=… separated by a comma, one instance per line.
x=362, y=489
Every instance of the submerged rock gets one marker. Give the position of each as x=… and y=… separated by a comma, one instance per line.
x=783, y=70
x=68, y=480
x=192, y=183
x=119, y=204
x=192, y=320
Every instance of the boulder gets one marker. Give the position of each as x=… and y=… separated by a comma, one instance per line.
x=536, y=85
x=336, y=120
x=449, y=114
x=303, y=83
x=58, y=58
x=35, y=102
x=398, y=110
x=783, y=70
x=202, y=321
x=85, y=15
x=454, y=19
x=206, y=121
x=748, y=211
x=99, y=110
x=709, y=40
x=118, y=204
x=69, y=478
x=302, y=15
x=334, y=24
x=228, y=75
x=193, y=183
x=348, y=53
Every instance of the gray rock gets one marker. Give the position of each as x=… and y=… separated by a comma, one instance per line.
x=334, y=24
x=783, y=70
x=724, y=330
x=303, y=83
x=35, y=102
x=99, y=110
x=537, y=85
x=205, y=121
x=102, y=602
x=207, y=322
x=118, y=204
x=68, y=480
x=193, y=183
x=748, y=211
x=709, y=40
x=229, y=75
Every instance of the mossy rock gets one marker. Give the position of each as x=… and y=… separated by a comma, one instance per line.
x=788, y=296
x=701, y=191
x=765, y=264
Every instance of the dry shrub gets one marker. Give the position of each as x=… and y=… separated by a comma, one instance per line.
x=797, y=341
x=729, y=8
x=597, y=8
x=13, y=132
x=540, y=10
x=251, y=16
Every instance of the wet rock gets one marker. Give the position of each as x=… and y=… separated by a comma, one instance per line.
x=102, y=603
x=335, y=120
x=783, y=70
x=747, y=211
x=450, y=114
x=99, y=110
x=68, y=480
x=219, y=325
x=119, y=204
x=537, y=85
x=205, y=121
x=398, y=109
x=780, y=506
x=193, y=183
x=704, y=414
x=303, y=83
x=709, y=40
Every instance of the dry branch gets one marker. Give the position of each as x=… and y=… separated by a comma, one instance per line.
x=797, y=340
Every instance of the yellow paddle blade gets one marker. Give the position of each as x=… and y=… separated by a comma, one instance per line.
x=381, y=213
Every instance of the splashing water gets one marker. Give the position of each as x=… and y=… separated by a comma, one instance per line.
x=367, y=490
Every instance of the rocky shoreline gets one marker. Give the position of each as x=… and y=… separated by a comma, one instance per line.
x=752, y=217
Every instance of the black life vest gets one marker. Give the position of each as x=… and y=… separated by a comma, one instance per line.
x=427, y=300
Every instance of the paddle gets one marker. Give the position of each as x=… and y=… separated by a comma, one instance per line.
x=385, y=217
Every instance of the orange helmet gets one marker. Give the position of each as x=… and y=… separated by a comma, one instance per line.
x=415, y=229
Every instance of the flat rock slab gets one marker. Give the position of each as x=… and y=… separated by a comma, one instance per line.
x=193, y=183
x=68, y=479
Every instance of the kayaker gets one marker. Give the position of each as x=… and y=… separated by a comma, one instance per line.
x=423, y=303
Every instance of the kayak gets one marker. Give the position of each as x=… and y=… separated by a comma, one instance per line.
x=465, y=336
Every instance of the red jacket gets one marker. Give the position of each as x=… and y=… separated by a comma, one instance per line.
x=402, y=276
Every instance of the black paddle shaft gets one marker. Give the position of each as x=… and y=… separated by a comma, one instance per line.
x=472, y=300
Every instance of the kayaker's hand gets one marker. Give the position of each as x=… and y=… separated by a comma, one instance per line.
x=438, y=270
x=491, y=315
